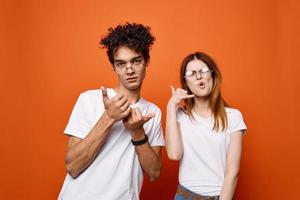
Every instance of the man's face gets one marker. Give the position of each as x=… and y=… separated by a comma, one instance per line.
x=130, y=67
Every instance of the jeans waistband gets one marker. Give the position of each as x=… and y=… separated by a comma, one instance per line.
x=186, y=193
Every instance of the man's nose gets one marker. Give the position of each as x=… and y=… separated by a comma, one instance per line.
x=129, y=69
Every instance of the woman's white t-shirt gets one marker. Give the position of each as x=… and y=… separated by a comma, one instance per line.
x=202, y=166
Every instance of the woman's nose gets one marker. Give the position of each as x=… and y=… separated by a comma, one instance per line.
x=198, y=75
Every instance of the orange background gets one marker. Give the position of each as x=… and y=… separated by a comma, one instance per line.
x=50, y=53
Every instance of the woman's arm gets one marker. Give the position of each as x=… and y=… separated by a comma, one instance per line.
x=174, y=144
x=232, y=166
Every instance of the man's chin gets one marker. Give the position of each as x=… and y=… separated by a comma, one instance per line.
x=133, y=86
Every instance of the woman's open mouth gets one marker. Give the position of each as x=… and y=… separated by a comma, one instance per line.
x=202, y=85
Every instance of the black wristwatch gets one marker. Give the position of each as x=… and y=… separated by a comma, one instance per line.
x=140, y=142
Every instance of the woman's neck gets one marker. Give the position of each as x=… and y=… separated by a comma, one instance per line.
x=201, y=107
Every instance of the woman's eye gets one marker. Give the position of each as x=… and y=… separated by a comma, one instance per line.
x=205, y=69
x=189, y=73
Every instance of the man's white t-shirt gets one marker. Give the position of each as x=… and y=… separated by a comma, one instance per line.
x=116, y=173
x=202, y=166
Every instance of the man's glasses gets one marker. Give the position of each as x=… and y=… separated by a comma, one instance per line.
x=136, y=64
x=203, y=72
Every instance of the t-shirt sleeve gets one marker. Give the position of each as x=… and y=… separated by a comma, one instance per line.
x=156, y=138
x=78, y=124
x=179, y=113
x=236, y=122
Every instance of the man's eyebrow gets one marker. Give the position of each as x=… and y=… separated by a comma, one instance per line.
x=134, y=58
x=119, y=61
x=137, y=57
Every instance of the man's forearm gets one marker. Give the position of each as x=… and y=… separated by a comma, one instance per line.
x=80, y=155
x=149, y=158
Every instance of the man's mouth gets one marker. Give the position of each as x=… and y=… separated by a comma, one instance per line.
x=131, y=79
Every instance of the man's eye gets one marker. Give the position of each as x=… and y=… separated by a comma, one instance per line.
x=120, y=64
x=136, y=62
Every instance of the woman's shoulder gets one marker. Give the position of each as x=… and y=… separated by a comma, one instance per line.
x=233, y=112
x=235, y=120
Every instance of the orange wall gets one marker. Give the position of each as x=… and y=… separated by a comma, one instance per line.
x=49, y=54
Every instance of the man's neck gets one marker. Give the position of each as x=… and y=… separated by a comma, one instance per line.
x=132, y=95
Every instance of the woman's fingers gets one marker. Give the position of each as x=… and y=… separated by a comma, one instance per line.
x=185, y=96
x=172, y=89
x=181, y=91
x=189, y=96
x=177, y=90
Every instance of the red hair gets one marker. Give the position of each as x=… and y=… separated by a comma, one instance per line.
x=216, y=102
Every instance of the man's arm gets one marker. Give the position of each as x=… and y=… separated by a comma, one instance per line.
x=81, y=152
x=149, y=157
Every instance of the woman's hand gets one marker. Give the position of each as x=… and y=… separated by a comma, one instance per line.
x=178, y=94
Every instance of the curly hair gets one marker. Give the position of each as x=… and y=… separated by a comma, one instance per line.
x=135, y=36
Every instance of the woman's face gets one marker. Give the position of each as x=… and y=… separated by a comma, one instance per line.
x=199, y=78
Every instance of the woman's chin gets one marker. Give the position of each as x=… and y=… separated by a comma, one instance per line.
x=201, y=94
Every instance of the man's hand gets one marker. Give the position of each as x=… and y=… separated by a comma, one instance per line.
x=116, y=108
x=135, y=121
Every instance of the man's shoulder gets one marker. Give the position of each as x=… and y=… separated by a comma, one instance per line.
x=91, y=96
x=91, y=92
x=151, y=105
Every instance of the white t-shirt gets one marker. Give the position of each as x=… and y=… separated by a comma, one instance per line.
x=116, y=173
x=202, y=166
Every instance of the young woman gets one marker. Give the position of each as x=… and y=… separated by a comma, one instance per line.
x=205, y=134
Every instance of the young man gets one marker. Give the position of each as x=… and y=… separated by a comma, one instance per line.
x=114, y=134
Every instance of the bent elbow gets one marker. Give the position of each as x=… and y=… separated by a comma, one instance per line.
x=155, y=176
x=174, y=156
x=232, y=173
x=71, y=171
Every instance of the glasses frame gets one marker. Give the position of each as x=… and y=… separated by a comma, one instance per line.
x=136, y=67
x=196, y=72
